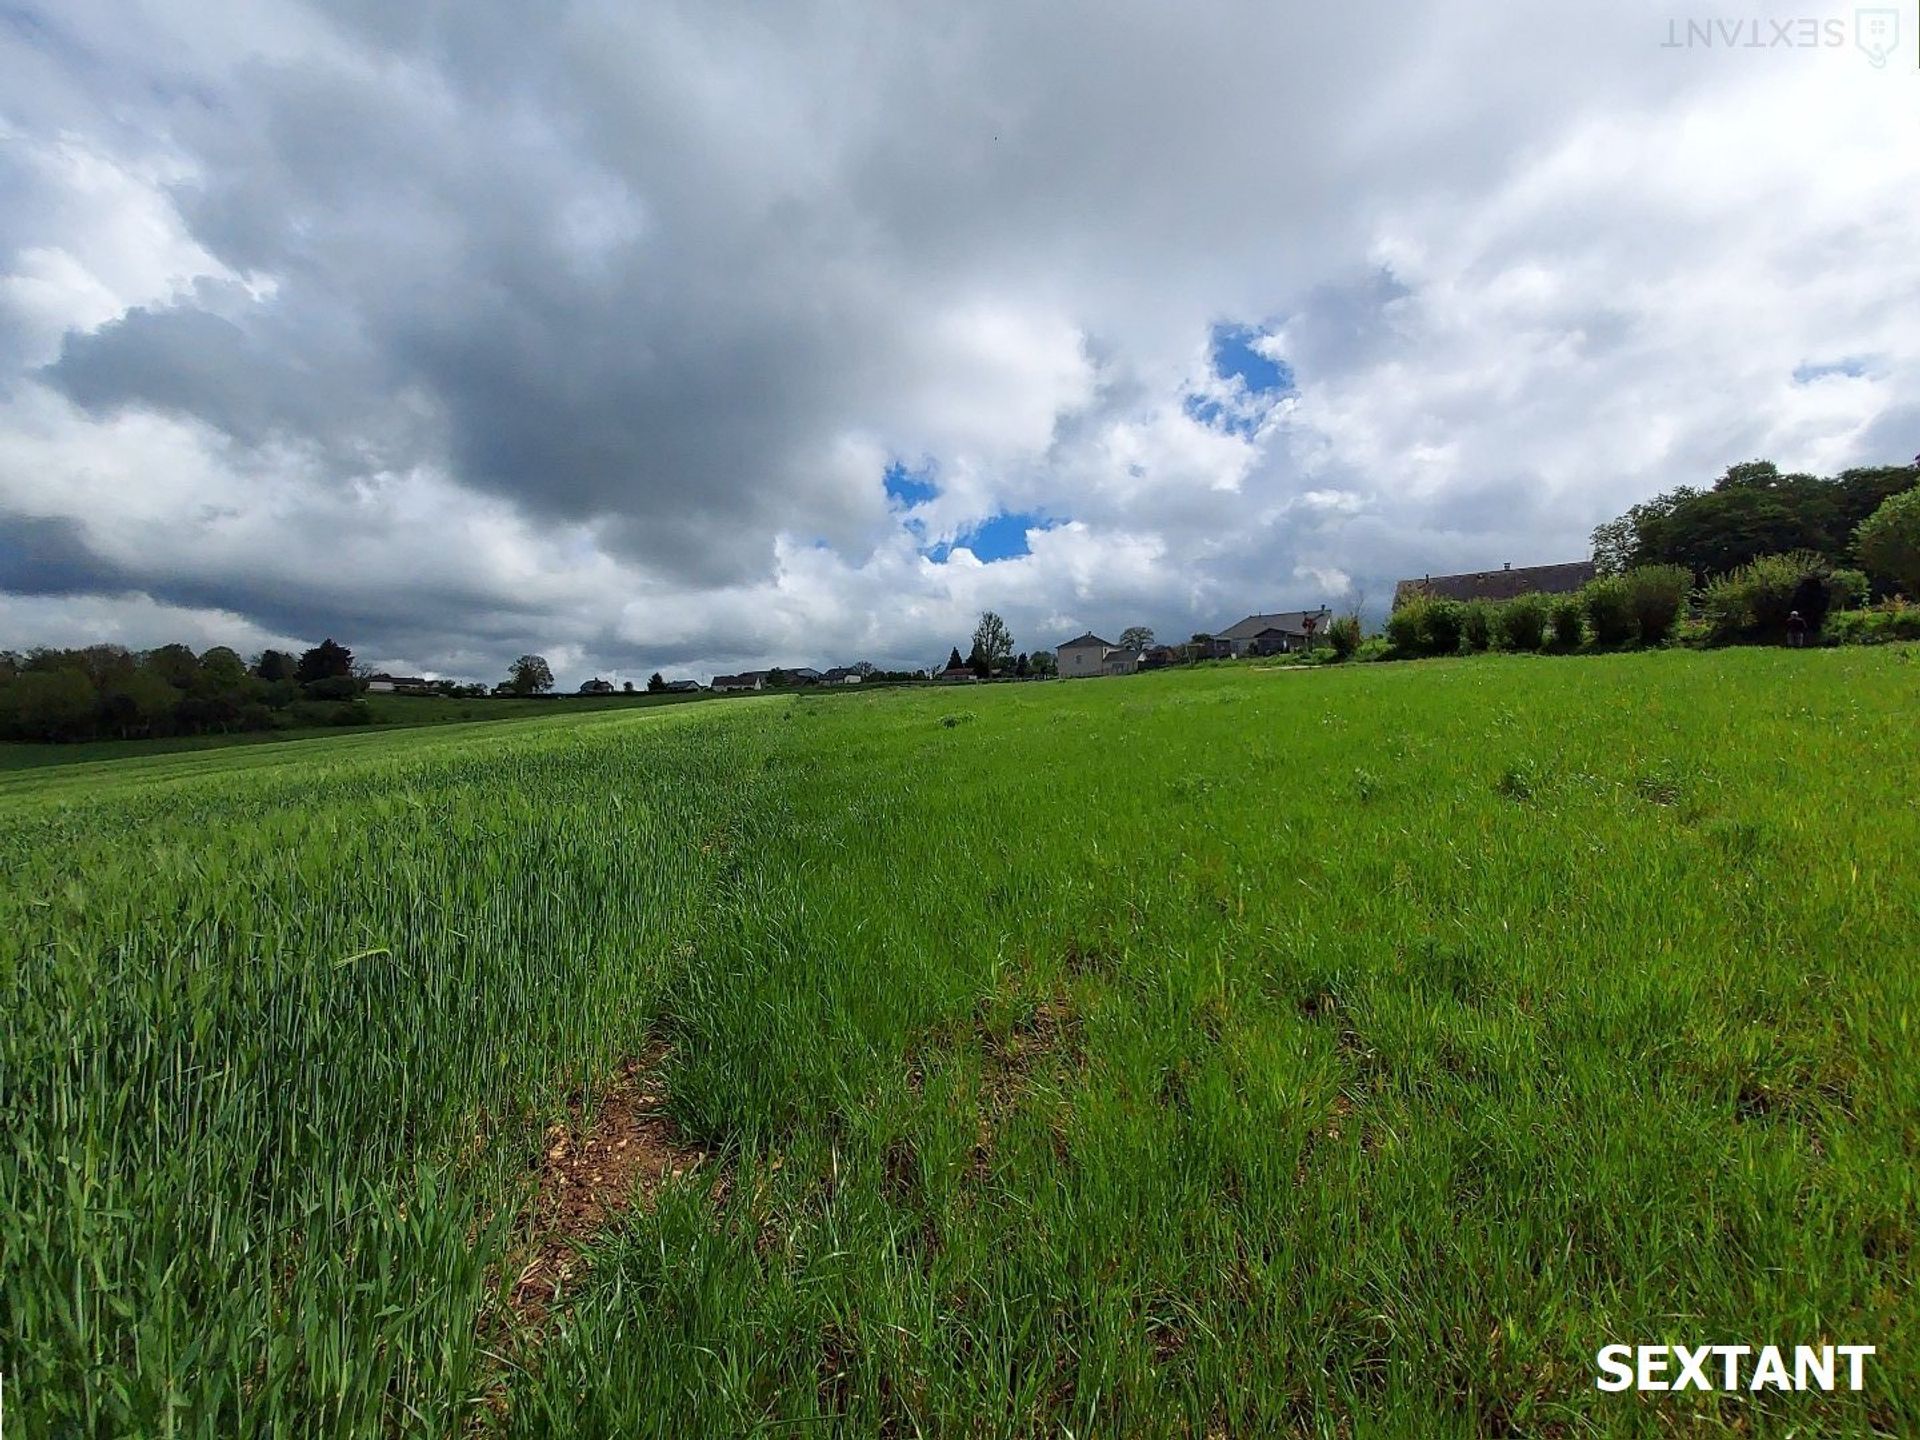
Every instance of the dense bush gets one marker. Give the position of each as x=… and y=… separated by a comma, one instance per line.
x=1523, y=622
x=1445, y=625
x=1479, y=623
x=1425, y=626
x=1888, y=542
x=1406, y=628
x=1609, y=609
x=1894, y=620
x=1849, y=588
x=1566, y=618
x=1754, y=601
x=1657, y=594
x=1345, y=636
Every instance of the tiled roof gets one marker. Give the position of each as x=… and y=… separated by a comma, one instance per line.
x=1291, y=622
x=1501, y=584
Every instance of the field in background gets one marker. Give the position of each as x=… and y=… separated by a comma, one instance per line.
x=1217, y=1052
x=388, y=711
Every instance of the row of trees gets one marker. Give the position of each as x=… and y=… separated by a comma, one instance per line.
x=1753, y=511
x=110, y=692
x=993, y=654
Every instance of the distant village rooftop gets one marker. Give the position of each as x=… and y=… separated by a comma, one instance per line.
x=1501, y=584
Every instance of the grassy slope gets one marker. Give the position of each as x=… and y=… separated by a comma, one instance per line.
x=1152, y=1056
x=388, y=710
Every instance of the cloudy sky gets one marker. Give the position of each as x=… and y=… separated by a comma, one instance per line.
x=701, y=335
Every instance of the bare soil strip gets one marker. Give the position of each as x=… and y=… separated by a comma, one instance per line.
x=590, y=1173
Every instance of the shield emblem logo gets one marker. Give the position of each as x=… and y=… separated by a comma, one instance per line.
x=1877, y=32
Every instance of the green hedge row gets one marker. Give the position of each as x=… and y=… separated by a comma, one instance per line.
x=1650, y=605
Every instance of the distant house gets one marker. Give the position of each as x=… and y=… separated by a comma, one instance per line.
x=681, y=687
x=1279, y=633
x=1083, y=655
x=384, y=684
x=956, y=672
x=597, y=686
x=1501, y=584
x=842, y=675
x=745, y=680
x=1159, y=657
x=803, y=675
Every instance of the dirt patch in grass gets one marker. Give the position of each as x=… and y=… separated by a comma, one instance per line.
x=593, y=1169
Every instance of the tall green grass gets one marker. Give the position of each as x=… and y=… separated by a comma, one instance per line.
x=1212, y=1052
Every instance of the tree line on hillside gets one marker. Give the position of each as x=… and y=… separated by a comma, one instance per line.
x=1753, y=511
x=110, y=692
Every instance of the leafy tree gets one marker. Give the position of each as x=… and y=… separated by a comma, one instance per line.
x=325, y=661
x=530, y=675
x=175, y=664
x=54, y=704
x=1043, y=663
x=626, y=687
x=1888, y=542
x=656, y=682
x=274, y=666
x=1136, y=637
x=221, y=668
x=992, y=644
x=139, y=703
x=1020, y=666
x=1345, y=635
x=1751, y=511
x=865, y=669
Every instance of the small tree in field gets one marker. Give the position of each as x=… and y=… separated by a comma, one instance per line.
x=992, y=644
x=1345, y=635
x=656, y=682
x=1888, y=542
x=530, y=675
x=1136, y=637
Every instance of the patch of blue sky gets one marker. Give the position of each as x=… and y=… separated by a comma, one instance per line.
x=1852, y=366
x=908, y=488
x=1235, y=358
x=999, y=537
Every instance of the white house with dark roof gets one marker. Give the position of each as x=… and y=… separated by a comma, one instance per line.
x=1082, y=656
x=1088, y=654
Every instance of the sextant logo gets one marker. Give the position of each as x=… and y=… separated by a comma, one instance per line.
x=1732, y=1367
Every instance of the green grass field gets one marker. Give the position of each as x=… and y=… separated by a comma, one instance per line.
x=1230, y=1052
x=388, y=710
